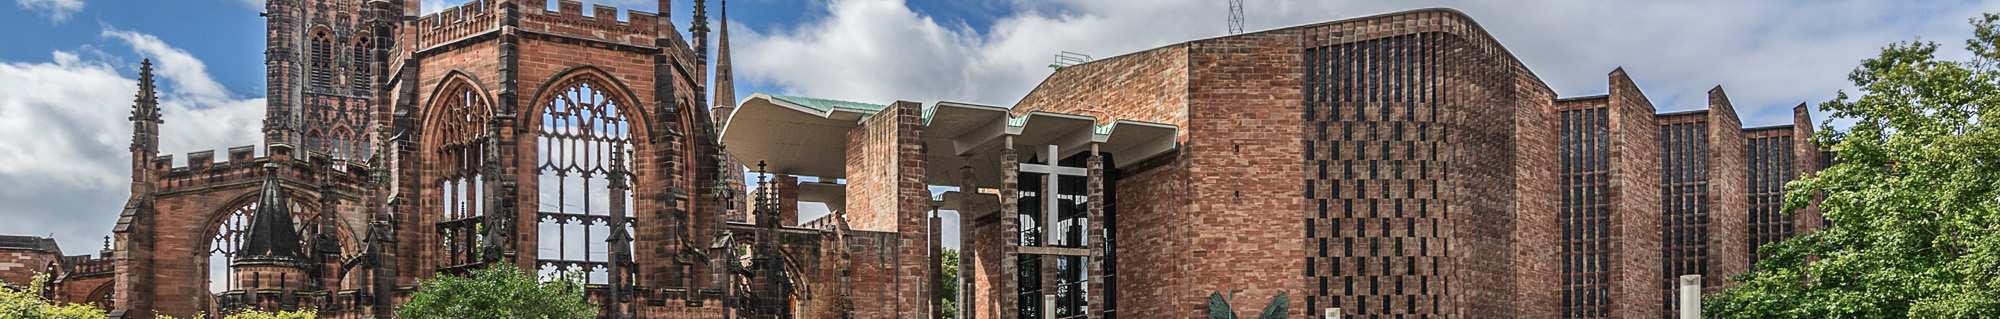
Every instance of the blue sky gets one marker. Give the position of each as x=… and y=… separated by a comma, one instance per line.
x=66, y=67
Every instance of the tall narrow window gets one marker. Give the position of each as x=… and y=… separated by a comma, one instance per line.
x=322, y=61
x=581, y=126
x=461, y=150
x=364, y=71
x=1585, y=215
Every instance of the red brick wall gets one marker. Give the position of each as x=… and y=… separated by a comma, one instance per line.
x=1536, y=266
x=1243, y=145
x=1151, y=250
x=876, y=286
x=1806, y=156
x=1244, y=103
x=872, y=173
x=1149, y=86
x=1635, y=198
x=886, y=192
x=1728, y=196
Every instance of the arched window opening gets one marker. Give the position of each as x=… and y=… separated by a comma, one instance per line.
x=581, y=127
x=364, y=72
x=322, y=61
x=314, y=141
x=230, y=233
x=461, y=151
x=341, y=144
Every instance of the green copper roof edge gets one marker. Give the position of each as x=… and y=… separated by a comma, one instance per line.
x=826, y=105
x=929, y=111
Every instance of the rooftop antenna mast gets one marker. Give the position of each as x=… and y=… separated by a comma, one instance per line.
x=1235, y=16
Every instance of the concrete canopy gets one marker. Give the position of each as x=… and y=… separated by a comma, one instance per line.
x=808, y=137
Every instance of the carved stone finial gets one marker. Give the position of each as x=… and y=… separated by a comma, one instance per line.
x=700, y=23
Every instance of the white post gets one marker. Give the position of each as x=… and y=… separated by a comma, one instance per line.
x=1049, y=306
x=1690, y=297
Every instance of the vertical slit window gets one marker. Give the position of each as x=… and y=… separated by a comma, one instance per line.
x=321, y=76
x=364, y=71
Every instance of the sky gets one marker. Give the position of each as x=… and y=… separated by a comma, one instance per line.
x=67, y=68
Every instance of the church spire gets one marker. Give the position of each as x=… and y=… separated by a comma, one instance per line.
x=272, y=235
x=725, y=82
x=145, y=130
x=146, y=113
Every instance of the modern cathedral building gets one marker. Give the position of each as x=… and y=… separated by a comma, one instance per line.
x=1394, y=166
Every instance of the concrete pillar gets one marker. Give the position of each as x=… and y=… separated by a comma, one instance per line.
x=1690, y=297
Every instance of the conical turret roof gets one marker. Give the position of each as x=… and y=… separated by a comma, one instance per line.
x=272, y=234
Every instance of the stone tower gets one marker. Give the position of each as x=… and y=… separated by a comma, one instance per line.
x=319, y=76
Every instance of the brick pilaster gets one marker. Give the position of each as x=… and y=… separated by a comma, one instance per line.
x=1010, y=228
x=1094, y=239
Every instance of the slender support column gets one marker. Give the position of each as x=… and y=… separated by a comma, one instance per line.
x=935, y=231
x=1008, y=297
x=966, y=252
x=1095, y=236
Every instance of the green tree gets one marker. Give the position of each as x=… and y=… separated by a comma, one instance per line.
x=950, y=283
x=498, y=292
x=1912, y=203
x=258, y=314
x=28, y=304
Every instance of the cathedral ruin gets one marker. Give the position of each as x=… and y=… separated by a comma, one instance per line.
x=1402, y=165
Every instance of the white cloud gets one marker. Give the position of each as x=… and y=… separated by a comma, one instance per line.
x=54, y=10
x=1768, y=55
x=66, y=159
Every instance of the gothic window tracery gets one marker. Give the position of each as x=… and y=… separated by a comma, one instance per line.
x=461, y=149
x=581, y=127
x=230, y=232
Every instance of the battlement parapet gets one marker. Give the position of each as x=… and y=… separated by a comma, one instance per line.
x=243, y=166
x=640, y=28
x=479, y=17
x=466, y=20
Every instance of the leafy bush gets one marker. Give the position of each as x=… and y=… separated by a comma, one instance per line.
x=499, y=292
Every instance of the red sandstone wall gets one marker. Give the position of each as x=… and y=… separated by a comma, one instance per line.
x=19, y=267
x=179, y=232
x=476, y=63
